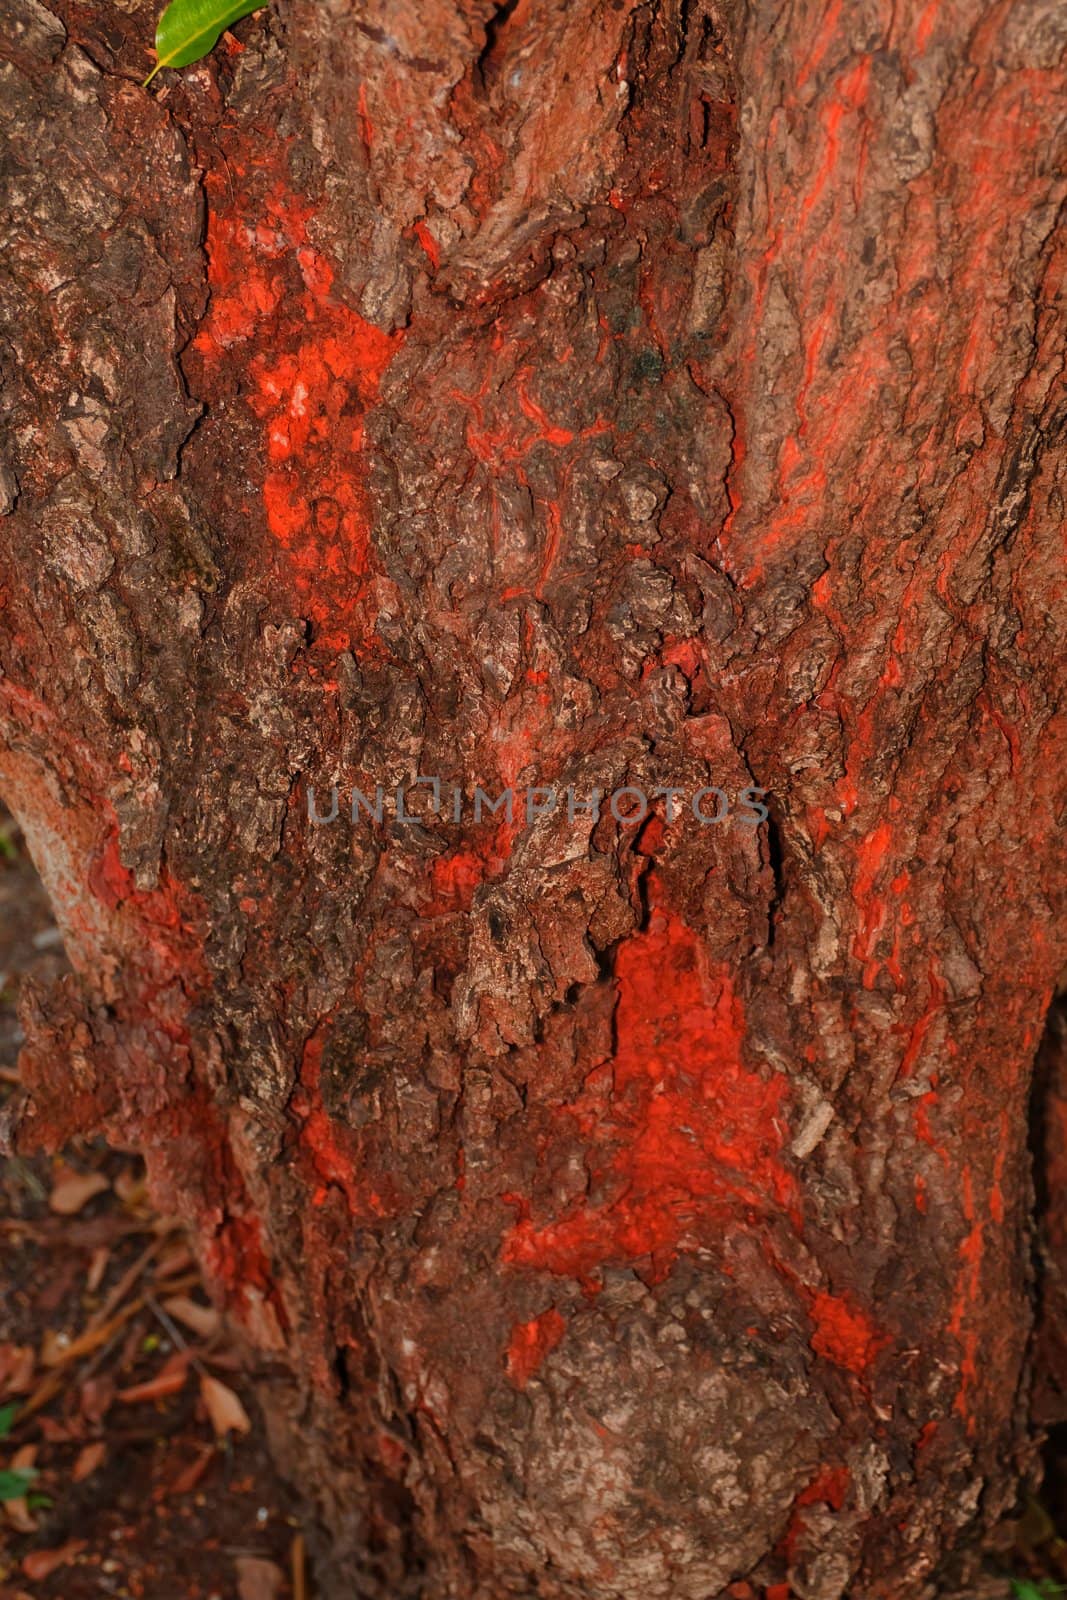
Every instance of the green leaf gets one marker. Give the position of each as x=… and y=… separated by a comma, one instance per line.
x=1023, y=1589
x=8, y=1414
x=13, y=1484
x=188, y=29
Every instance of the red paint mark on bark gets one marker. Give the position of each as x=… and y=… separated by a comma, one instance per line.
x=311, y=368
x=531, y=1342
x=685, y=654
x=394, y=1455
x=333, y=1162
x=968, y=1290
x=924, y=27
x=686, y=1135
x=455, y=877
x=337, y=1155
x=549, y=432
x=235, y=1256
x=921, y=1028
x=844, y=1334
x=822, y=42
x=829, y=1487
x=927, y=1435
x=453, y=880
x=429, y=244
x=850, y=93
x=162, y=917
x=190, y=1155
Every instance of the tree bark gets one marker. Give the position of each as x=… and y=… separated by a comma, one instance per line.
x=588, y=396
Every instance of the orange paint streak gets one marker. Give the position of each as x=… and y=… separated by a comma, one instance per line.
x=830, y=1487
x=550, y=433
x=552, y=544
x=871, y=855
x=967, y=1299
x=925, y=25
x=530, y=1343
x=681, y=1133
x=312, y=369
x=429, y=244
x=163, y=917
x=331, y=1150
x=919, y=1031
x=823, y=40
x=844, y=1334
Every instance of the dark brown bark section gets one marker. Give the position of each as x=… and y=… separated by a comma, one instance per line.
x=584, y=395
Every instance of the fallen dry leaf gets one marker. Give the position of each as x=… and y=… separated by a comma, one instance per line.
x=17, y=1510
x=17, y=1362
x=96, y=1396
x=174, y=1261
x=168, y=1380
x=88, y=1460
x=72, y=1190
x=204, y=1320
x=225, y=1360
x=56, y=1432
x=130, y=1187
x=258, y=1579
x=97, y=1267
x=54, y=1347
x=20, y=1516
x=227, y=1413
x=58, y=1350
x=190, y=1476
x=40, y=1564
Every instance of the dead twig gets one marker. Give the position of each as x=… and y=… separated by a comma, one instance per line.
x=176, y=1338
x=298, y=1563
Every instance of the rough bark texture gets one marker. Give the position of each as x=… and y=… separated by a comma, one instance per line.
x=587, y=393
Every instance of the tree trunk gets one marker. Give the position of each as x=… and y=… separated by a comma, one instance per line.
x=559, y=396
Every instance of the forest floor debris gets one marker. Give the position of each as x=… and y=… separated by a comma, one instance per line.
x=127, y=1420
